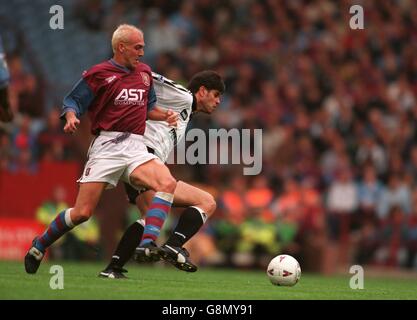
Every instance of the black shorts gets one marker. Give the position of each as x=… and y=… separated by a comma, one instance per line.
x=131, y=192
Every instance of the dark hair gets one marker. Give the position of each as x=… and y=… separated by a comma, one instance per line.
x=211, y=80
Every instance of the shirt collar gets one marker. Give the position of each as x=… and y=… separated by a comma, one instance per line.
x=119, y=65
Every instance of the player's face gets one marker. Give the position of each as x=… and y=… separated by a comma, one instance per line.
x=210, y=100
x=133, y=50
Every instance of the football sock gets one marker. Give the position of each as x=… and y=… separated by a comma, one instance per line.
x=190, y=221
x=61, y=225
x=156, y=215
x=126, y=247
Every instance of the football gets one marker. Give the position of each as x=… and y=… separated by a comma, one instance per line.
x=284, y=270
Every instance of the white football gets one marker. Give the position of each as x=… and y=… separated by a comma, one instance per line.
x=284, y=270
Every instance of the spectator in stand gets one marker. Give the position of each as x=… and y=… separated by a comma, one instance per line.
x=30, y=98
x=258, y=231
x=288, y=209
x=233, y=213
x=341, y=205
x=5, y=151
x=393, y=239
x=91, y=13
x=367, y=243
x=312, y=226
x=397, y=194
x=370, y=191
x=24, y=147
x=370, y=151
x=411, y=167
x=412, y=234
x=54, y=144
x=259, y=198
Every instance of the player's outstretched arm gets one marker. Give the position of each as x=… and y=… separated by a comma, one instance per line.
x=161, y=114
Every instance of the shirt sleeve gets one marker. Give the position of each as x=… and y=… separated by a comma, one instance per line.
x=151, y=98
x=4, y=72
x=78, y=100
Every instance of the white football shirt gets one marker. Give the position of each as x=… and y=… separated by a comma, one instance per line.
x=170, y=95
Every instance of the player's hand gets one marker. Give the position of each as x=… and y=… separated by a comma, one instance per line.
x=72, y=122
x=171, y=117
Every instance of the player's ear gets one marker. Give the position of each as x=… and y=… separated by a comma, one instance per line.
x=202, y=90
x=121, y=47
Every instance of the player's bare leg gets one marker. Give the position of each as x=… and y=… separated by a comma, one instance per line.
x=156, y=176
x=185, y=195
x=200, y=205
x=87, y=199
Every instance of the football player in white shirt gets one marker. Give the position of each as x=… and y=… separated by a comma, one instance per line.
x=203, y=95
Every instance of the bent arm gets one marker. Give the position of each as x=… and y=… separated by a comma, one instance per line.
x=161, y=114
x=78, y=100
x=157, y=113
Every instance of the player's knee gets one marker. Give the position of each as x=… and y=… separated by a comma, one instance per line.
x=167, y=184
x=208, y=204
x=81, y=215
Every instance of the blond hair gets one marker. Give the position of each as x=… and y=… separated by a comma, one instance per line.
x=122, y=34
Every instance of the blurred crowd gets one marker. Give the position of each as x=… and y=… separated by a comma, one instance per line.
x=337, y=107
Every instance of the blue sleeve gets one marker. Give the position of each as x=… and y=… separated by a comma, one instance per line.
x=78, y=100
x=151, y=98
x=4, y=72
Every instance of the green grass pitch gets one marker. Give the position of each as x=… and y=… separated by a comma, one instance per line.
x=164, y=282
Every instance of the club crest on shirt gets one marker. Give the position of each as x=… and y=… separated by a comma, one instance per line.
x=145, y=78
